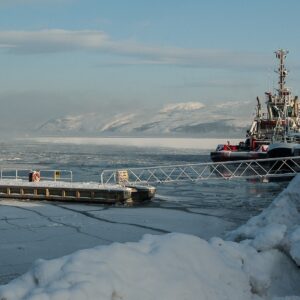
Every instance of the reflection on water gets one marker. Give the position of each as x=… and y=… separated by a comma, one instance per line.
x=233, y=200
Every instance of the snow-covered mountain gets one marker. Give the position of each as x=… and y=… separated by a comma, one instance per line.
x=189, y=118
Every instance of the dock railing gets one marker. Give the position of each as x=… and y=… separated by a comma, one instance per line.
x=44, y=175
x=260, y=168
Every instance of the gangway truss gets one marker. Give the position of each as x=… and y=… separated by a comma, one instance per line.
x=260, y=168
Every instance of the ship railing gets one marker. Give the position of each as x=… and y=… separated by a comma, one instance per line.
x=247, y=169
x=43, y=175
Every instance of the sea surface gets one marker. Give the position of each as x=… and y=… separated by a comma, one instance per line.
x=235, y=200
x=31, y=230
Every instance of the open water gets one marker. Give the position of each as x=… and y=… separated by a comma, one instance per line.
x=234, y=201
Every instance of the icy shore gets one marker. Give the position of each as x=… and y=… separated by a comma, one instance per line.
x=277, y=227
x=259, y=260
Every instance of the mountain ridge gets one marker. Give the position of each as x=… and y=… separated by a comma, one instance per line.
x=187, y=118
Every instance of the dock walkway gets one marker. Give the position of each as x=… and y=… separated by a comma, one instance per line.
x=262, y=169
x=14, y=184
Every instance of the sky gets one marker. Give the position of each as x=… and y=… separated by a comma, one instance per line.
x=60, y=57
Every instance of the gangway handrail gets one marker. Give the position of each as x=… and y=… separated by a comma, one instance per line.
x=257, y=168
x=45, y=174
x=213, y=163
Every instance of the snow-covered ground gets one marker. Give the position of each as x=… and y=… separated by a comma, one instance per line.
x=259, y=260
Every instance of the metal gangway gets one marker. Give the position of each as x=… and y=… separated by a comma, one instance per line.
x=262, y=169
x=48, y=175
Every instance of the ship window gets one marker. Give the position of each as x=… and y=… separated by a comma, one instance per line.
x=297, y=152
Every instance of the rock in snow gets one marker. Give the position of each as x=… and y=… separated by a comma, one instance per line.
x=180, y=266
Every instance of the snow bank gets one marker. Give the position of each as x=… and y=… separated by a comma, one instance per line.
x=180, y=266
x=173, y=266
x=278, y=226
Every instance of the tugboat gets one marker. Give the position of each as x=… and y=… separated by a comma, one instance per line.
x=279, y=124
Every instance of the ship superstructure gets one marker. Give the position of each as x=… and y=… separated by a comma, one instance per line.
x=280, y=121
x=282, y=116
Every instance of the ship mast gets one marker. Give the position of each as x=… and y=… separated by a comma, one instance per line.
x=282, y=101
x=283, y=92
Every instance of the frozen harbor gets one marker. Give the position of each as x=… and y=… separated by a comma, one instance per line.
x=48, y=230
x=32, y=230
x=260, y=262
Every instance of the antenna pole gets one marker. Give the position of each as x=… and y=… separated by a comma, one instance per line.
x=282, y=71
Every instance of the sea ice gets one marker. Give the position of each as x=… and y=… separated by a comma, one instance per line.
x=254, y=264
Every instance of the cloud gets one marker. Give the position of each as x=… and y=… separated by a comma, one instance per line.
x=232, y=84
x=29, y=2
x=51, y=40
x=59, y=40
x=186, y=57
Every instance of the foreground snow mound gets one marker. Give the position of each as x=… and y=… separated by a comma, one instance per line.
x=173, y=266
x=169, y=267
x=179, y=266
x=278, y=226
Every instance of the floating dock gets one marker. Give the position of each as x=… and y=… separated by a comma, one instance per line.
x=56, y=186
x=75, y=192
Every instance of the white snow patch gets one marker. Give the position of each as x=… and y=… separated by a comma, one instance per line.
x=180, y=266
x=158, y=267
x=293, y=244
x=185, y=106
x=119, y=120
x=172, y=266
x=62, y=184
x=278, y=226
x=269, y=236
